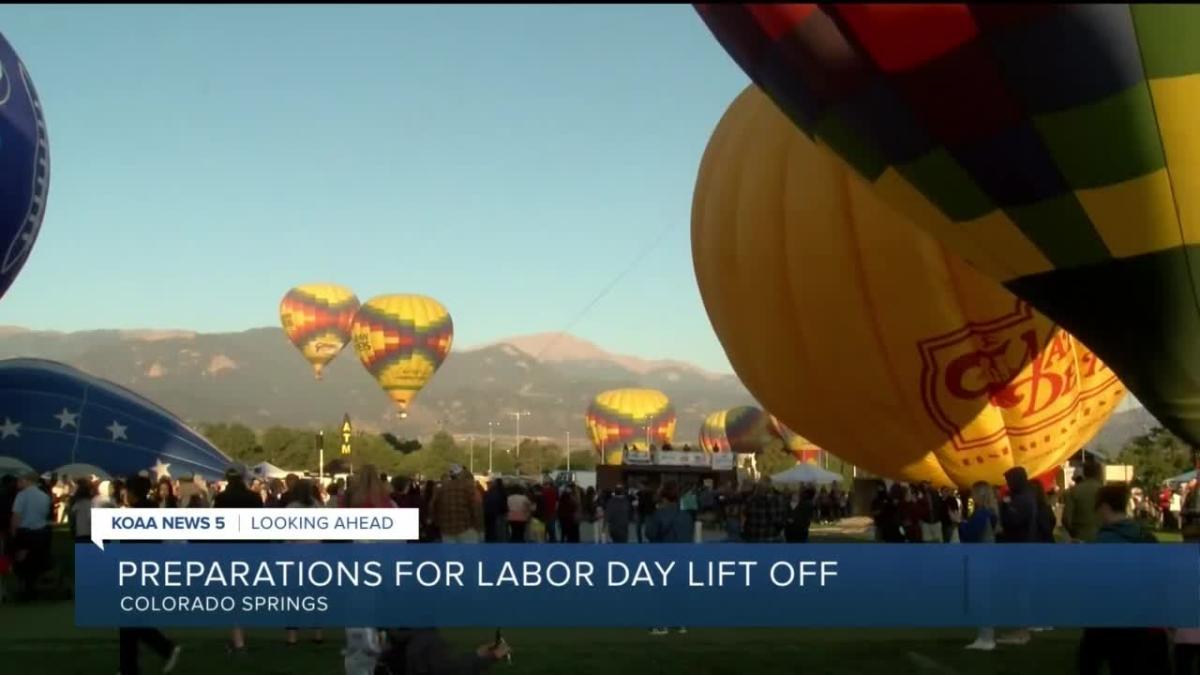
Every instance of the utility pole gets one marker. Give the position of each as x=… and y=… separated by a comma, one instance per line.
x=490, y=441
x=517, y=416
x=568, y=452
x=321, y=456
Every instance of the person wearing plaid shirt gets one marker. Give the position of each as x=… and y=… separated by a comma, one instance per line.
x=764, y=515
x=457, y=509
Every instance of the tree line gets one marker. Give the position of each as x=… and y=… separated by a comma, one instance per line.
x=296, y=450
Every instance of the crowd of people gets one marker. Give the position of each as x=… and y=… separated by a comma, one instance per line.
x=458, y=509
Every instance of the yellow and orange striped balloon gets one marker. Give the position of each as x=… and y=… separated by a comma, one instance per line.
x=317, y=318
x=402, y=340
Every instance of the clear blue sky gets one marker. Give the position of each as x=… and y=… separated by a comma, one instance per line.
x=510, y=161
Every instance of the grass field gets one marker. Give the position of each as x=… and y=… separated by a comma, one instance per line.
x=41, y=638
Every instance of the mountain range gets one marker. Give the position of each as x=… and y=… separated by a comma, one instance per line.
x=256, y=377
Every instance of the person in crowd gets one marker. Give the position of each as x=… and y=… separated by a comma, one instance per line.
x=290, y=482
x=367, y=491
x=457, y=510
x=618, y=512
x=837, y=499
x=362, y=652
x=237, y=496
x=690, y=502
x=914, y=512
x=423, y=651
x=669, y=525
x=763, y=515
x=799, y=516
x=137, y=496
x=80, y=511
x=1125, y=651
x=495, y=512
x=568, y=515
x=548, y=511
x=980, y=528
x=1044, y=514
x=1018, y=525
x=518, y=513
x=645, y=504
x=29, y=530
x=429, y=531
x=1079, y=511
x=165, y=494
x=588, y=518
x=1164, y=506
x=302, y=495
x=950, y=514
x=729, y=510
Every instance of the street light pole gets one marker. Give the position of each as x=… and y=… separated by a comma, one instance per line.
x=517, y=416
x=321, y=455
x=472, y=455
x=490, y=441
x=568, y=452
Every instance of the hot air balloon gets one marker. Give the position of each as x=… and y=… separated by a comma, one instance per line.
x=633, y=417
x=743, y=430
x=883, y=348
x=804, y=450
x=402, y=340
x=24, y=165
x=53, y=416
x=1068, y=174
x=317, y=318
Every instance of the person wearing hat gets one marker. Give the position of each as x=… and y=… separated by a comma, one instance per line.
x=457, y=508
x=237, y=496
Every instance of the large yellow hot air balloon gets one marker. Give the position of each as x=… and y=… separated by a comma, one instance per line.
x=633, y=417
x=402, y=340
x=316, y=318
x=881, y=347
x=1053, y=146
x=743, y=430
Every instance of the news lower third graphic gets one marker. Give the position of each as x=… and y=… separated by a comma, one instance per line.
x=354, y=568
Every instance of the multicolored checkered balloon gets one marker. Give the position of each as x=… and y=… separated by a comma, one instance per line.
x=402, y=340
x=1052, y=146
x=317, y=318
x=629, y=417
x=745, y=430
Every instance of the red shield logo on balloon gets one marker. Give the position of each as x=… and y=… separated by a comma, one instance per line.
x=1047, y=387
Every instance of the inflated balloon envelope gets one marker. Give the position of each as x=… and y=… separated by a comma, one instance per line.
x=743, y=430
x=620, y=417
x=402, y=340
x=53, y=416
x=866, y=335
x=1052, y=146
x=24, y=165
x=316, y=319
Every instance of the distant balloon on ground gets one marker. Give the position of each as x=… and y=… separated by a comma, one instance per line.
x=743, y=430
x=861, y=331
x=402, y=340
x=632, y=417
x=317, y=319
x=24, y=165
x=1070, y=175
x=54, y=416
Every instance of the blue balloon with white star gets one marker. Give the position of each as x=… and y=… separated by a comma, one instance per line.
x=24, y=165
x=53, y=415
